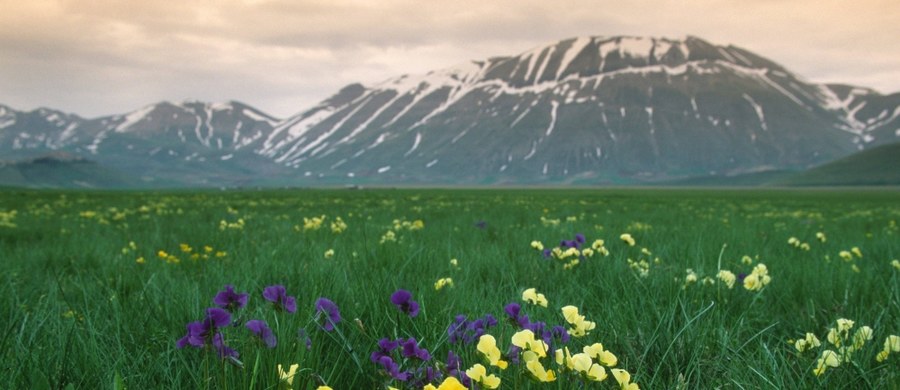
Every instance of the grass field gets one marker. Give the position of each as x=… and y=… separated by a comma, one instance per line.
x=99, y=288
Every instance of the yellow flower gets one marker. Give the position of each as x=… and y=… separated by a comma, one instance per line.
x=727, y=277
x=288, y=377
x=624, y=379
x=746, y=260
x=845, y=255
x=537, y=245
x=598, y=244
x=804, y=246
x=793, y=241
x=525, y=339
x=450, y=383
x=690, y=277
x=856, y=251
x=580, y=326
x=844, y=324
x=820, y=236
x=140, y=260
x=324, y=388
x=829, y=359
x=863, y=334
x=185, y=248
x=896, y=264
x=582, y=363
x=442, y=282
x=892, y=342
x=487, y=345
x=329, y=253
x=605, y=357
x=532, y=296
x=454, y=262
x=811, y=341
x=479, y=374
x=627, y=238
x=758, y=278
x=536, y=369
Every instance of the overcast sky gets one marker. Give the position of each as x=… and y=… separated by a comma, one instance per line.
x=102, y=57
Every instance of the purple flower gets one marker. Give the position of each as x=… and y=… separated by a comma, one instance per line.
x=200, y=333
x=579, y=238
x=513, y=310
x=262, y=330
x=223, y=350
x=455, y=369
x=403, y=300
x=230, y=300
x=393, y=369
x=301, y=334
x=410, y=348
x=325, y=305
x=385, y=347
x=547, y=252
x=278, y=295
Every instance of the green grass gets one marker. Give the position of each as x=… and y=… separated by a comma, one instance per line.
x=80, y=312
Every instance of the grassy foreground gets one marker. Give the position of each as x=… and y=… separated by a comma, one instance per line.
x=98, y=288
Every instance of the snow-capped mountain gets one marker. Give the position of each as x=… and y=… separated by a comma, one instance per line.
x=585, y=110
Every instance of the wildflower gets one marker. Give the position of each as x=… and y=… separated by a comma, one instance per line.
x=891, y=344
x=479, y=374
x=727, y=277
x=338, y=226
x=804, y=246
x=690, y=278
x=794, y=241
x=329, y=253
x=449, y=383
x=487, y=345
x=624, y=379
x=403, y=300
x=230, y=300
x=185, y=248
x=278, y=295
x=856, y=252
x=410, y=348
x=845, y=255
x=746, y=260
x=821, y=237
x=844, y=325
x=536, y=369
x=829, y=359
x=140, y=260
x=259, y=328
x=809, y=342
x=896, y=264
x=532, y=296
x=537, y=245
x=583, y=364
x=224, y=351
x=605, y=357
x=580, y=326
x=202, y=332
x=443, y=282
x=627, y=239
x=287, y=378
x=525, y=340
x=862, y=335
x=758, y=278
x=333, y=315
x=388, y=236
x=454, y=263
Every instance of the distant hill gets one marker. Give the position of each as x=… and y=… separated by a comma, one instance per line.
x=62, y=171
x=877, y=166
x=583, y=111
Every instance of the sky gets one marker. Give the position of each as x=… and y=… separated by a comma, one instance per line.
x=105, y=57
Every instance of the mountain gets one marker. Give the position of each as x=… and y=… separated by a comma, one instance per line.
x=863, y=168
x=592, y=110
x=60, y=170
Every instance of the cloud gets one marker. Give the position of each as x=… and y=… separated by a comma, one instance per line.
x=97, y=57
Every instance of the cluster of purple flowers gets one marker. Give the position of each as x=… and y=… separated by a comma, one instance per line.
x=467, y=332
x=566, y=244
x=208, y=333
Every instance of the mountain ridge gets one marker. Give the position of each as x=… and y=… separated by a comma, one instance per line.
x=595, y=109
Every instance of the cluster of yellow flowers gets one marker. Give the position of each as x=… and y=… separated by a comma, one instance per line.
x=388, y=236
x=758, y=278
x=798, y=244
x=206, y=253
x=580, y=326
x=843, y=345
x=627, y=238
x=236, y=225
x=314, y=223
x=401, y=224
x=443, y=282
x=7, y=218
x=549, y=222
x=642, y=267
x=533, y=297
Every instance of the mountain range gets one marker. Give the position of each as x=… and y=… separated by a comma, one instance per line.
x=591, y=110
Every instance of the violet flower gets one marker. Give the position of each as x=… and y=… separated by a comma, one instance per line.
x=201, y=333
x=259, y=328
x=325, y=305
x=403, y=300
x=223, y=350
x=410, y=348
x=278, y=295
x=230, y=300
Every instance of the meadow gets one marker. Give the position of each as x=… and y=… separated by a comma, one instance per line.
x=405, y=288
